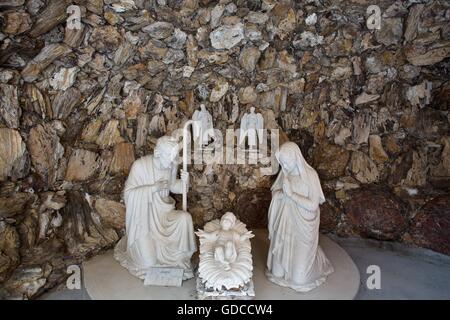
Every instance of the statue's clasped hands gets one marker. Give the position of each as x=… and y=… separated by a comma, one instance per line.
x=287, y=187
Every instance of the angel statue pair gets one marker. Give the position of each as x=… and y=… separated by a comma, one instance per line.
x=252, y=125
x=158, y=235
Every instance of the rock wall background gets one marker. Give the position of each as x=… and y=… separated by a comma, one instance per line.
x=77, y=107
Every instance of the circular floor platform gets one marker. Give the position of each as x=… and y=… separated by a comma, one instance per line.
x=104, y=278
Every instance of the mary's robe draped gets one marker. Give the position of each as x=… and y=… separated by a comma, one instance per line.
x=295, y=258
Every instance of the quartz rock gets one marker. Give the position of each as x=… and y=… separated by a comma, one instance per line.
x=311, y=19
x=226, y=37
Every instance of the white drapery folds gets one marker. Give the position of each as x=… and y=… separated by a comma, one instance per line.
x=295, y=258
x=157, y=235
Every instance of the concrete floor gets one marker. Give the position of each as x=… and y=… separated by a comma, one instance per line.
x=406, y=273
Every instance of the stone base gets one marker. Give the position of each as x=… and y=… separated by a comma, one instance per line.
x=105, y=278
x=246, y=293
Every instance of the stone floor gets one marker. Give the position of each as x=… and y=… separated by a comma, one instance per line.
x=406, y=273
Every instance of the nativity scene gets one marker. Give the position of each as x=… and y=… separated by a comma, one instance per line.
x=224, y=149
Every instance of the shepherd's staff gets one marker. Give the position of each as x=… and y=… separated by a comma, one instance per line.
x=186, y=135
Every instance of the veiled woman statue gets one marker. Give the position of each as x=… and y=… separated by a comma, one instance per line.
x=157, y=235
x=295, y=258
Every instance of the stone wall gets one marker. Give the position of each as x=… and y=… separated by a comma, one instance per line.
x=369, y=109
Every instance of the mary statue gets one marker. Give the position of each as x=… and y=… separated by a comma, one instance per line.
x=295, y=258
x=157, y=235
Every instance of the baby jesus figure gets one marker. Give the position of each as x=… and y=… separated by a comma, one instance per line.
x=226, y=240
x=224, y=246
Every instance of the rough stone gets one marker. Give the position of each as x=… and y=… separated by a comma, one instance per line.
x=226, y=37
x=329, y=217
x=110, y=135
x=123, y=158
x=64, y=79
x=363, y=168
x=247, y=95
x=219, y=90
x=50, y=53
x=376, y=214
x=112, y=213
x=430, y=227
x=252, y=207
x=9, y=105
x=82, y=165
x=46, y=151
x=249, y=58
x=159, y=30
x=105, y=38
x=376, y=150
x=330, y=160
x=13, y=151
x=9, y=250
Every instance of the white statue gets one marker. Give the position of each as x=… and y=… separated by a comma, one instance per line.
x=157, y=235
x=252, y=125
x=203, y=128
x=295, y=258
x=225, y=254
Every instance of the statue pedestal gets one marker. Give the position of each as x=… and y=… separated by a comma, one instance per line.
x=105, y=278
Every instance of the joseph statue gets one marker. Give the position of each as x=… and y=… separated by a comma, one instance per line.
x=157, y=235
